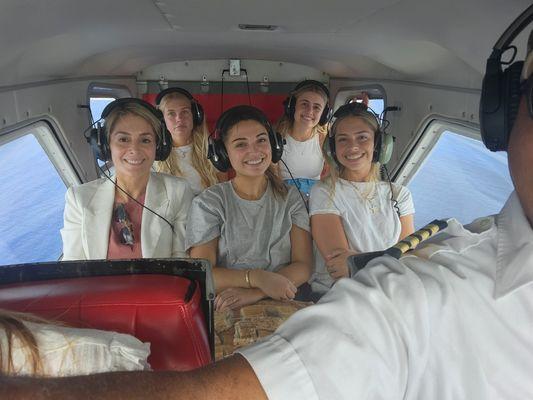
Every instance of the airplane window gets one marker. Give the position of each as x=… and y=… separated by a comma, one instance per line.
x=459, y=178
x=97, y=105
x=376, y=103
x=31, y=203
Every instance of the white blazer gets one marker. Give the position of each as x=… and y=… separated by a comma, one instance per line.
x=89, y=209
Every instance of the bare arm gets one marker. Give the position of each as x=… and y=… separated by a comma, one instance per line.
x=300, y=268
x=332, y=243
x=262, y=283
x=328, y=234
x=232, y=378
x=224, y=277
x=408, y=225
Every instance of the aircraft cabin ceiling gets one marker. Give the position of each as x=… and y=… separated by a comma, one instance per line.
x=441, y=42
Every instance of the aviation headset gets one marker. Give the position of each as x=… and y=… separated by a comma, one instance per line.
x=289, y=104
x=217, y=152
x=98, y=137
x=501, y=90
x=383, y=142
x=196, y=108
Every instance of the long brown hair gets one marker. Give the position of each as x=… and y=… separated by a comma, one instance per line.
x=199, y=136
x=12, y=323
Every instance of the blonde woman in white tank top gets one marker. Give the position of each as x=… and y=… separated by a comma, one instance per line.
x=304, y=128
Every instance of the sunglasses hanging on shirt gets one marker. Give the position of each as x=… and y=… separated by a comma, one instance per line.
x=126, y=231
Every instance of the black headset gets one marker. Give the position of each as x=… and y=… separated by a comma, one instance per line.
x=289, y=104
x=501, y=91
x=196, y=108
x=98, y=136
x=217, y=152
x=359, y=109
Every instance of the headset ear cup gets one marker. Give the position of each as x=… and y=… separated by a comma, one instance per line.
x=289, y=107
x=94, y=141
x=198, y=113
x=217, y=154
x=386, y=148
x=511, y=96
x=276, y=144
x=164, y=145
x=377, y=146
x=330, y=150
x=104, y=152
x=498, y=108
x=326, y=115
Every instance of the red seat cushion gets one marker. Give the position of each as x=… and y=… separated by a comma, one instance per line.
x=152, y=308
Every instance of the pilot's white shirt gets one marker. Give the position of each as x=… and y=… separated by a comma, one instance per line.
x=453, y=320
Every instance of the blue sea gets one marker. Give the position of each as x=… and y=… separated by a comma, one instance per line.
x=31, y=204
x=461, y=179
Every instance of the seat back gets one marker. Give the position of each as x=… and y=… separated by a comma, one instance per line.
x=164, y=310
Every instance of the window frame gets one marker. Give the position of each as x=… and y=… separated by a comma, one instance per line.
x=420, y=147
x=105, y=90
x=47, y=134
x=346, y=94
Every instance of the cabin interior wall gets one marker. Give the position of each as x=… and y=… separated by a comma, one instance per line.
x=418, y=102
x=58, y=102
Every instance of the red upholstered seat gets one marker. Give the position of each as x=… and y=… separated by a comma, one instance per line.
x=160, y=309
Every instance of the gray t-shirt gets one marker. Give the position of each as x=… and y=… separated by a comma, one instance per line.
x=252, y=233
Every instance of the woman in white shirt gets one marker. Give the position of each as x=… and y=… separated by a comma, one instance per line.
x=304, y=128
x=352, y=210
x=136, y=213
x=185, y=120
x=253, y=229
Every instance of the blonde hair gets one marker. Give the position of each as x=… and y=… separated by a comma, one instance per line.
x=200, y=163
x=335, y=168
x=136, y=109
x=12, y=323
x=285, y=124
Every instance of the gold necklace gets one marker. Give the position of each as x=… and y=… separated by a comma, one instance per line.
x=368, y=196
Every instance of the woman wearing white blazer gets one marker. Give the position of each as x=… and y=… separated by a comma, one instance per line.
x=136, y=213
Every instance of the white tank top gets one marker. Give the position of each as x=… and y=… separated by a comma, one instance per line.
x=184, y=154
x=304, y=159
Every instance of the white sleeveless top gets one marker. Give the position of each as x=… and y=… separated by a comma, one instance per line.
x=304, y=159
x=184, y=154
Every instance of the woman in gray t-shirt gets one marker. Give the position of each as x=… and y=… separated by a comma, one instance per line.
x=253, y=229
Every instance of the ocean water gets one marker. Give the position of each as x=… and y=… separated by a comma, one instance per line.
x=461, y=179
x=31, y=204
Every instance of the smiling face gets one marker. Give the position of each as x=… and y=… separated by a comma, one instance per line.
x=178, y=119
x=354, y=146
x=132, y=142
x=308, y=108
x=248, y=148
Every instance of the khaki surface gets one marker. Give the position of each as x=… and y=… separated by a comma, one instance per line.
x=238, y=328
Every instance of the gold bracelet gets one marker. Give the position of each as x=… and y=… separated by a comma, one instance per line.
x=247, y=279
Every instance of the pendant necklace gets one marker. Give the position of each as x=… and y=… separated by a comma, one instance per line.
x=368, y=196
